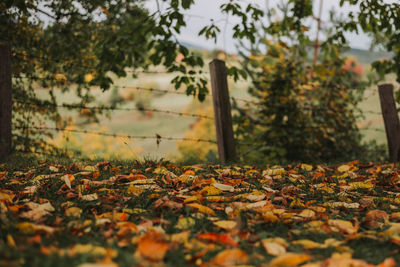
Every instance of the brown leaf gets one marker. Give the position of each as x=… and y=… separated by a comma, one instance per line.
x=37, y=211
x=343, y=226
x=376, y=218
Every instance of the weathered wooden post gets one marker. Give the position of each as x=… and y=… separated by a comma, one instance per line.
x=222, y=111
x=5, y=101
x=391, y=119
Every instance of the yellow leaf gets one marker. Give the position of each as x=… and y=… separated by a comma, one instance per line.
x=90, y=197
x=327, y=189
x=181, y=237
x=227, y=225
x=185, y=223
x=395, y=216
x=274, y=246
x=297, y=203
x=307, y=244
x=142, y=181
x=270, y=217
x=257, y=205
x=216, y=198
x=68, y=178
x=6, y=196
x=185, y=178
x=53, y=169
x=289, y=259
x=73, y=212
x=134, y=190
x=134, y=211
x=88, y=249
x=306, y=167
x=358, y=185
x=318, y=208
x=88, y=77
x=30, y=228
x=10, y=241
x=394, y=229
x=25, y=228
x=274, y=171
x=343, y=168
x=224, y=187
x=342, y=204
x=90, y=168
x=307, y=213
x=331, y=242
x=190, y=199
x=60, y=77
x=253, y=197
x=202, y=209
x=340, y=261
x=210, y=190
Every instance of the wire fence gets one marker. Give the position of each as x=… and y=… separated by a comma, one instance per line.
x=75, y=106
x=157, y=137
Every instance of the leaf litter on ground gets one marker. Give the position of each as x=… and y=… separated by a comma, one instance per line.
x=161, y=214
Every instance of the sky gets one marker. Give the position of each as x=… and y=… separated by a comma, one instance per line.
x=205, y=10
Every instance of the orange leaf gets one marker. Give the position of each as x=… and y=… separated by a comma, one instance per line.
x=389, y=262
x=189, y=172
x=231, y=257
x=333, y=262
x=202, y=209
x=6, y=196
x=221, y=238
x=152, y=246
x=289, y=259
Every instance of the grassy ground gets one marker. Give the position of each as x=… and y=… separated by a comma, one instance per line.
x=160, y=214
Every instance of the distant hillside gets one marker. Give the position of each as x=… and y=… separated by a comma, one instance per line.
x=367, y=57
x=364, y=57
x=193, y=46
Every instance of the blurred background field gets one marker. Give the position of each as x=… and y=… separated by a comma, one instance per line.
x=147, y=123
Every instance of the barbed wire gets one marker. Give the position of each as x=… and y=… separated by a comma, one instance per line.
x=72, y=106
x=88, y=67
x=165, y=72
x=158, y=137
x=373, y=129
x=178, y=93
x=371, y=112
x=57, y=155
x=150, y=89
x=370, y=95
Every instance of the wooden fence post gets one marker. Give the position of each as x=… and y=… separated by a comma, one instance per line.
x=5, y=101
x=391, y=119
x=222, y=111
